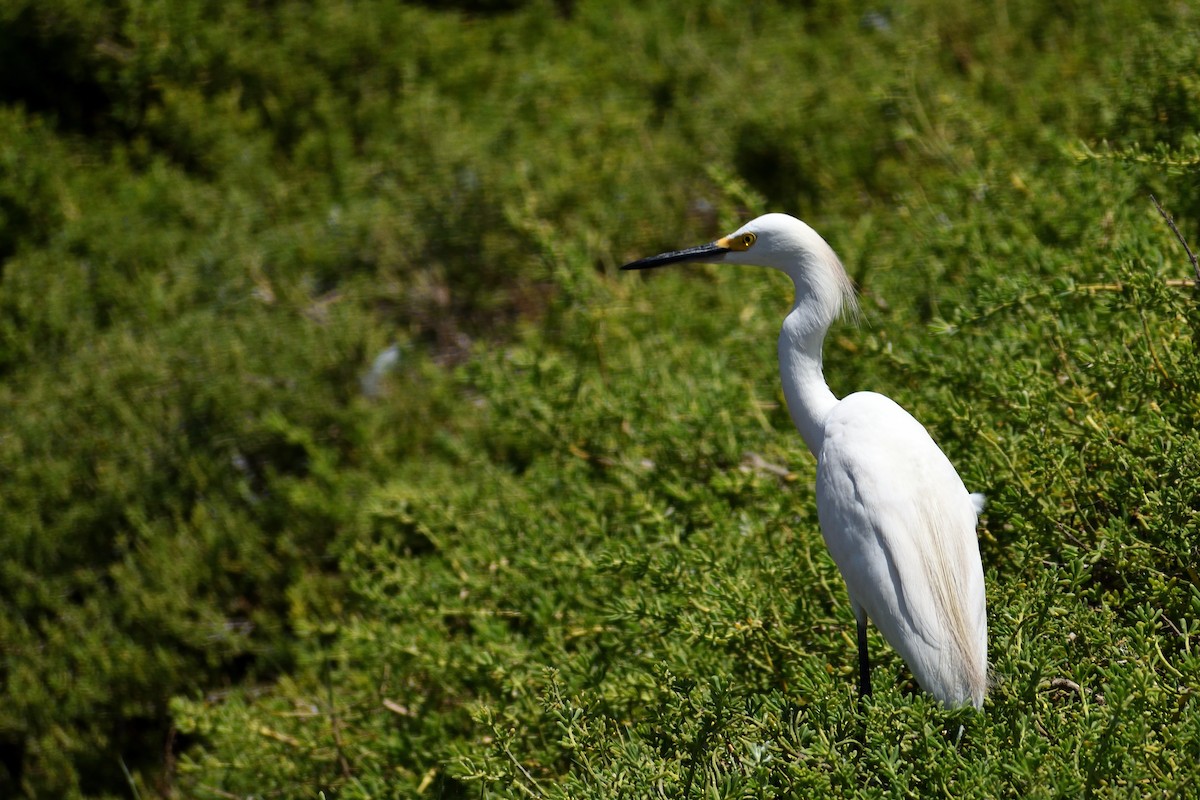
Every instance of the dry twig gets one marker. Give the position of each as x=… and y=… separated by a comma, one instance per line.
x=1179, y=236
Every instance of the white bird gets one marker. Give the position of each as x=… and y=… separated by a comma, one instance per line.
x=893, y=511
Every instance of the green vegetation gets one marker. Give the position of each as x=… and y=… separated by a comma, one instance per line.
x=550, y=553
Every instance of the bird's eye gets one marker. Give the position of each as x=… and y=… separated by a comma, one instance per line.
x=742, y=242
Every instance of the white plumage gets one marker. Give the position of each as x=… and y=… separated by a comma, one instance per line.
x=894, y=513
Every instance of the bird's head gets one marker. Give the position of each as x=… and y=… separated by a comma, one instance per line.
x=778, y=241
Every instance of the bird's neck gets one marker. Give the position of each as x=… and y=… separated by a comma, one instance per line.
x=809, y=398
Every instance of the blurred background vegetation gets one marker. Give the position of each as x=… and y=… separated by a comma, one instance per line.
x=337, y=457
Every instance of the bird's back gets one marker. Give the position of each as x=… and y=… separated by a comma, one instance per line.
x=901, y=527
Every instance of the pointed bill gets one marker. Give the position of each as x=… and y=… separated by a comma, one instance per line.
x=713, y=251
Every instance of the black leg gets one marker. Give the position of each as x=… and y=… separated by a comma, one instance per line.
x=864, y=662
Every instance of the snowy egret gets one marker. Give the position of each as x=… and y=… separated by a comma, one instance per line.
x=893, y=511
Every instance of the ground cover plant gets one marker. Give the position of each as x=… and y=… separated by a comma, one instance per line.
x=339, y=460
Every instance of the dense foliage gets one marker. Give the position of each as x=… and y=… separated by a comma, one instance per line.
x=337, y=457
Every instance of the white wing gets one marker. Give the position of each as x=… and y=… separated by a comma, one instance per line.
x=901, y=527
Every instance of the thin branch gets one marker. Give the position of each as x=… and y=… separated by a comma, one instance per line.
x=753, y=462
x=133, y=783
x=335, y=723
x=1067, y=684
x=1150, y=346
x=271, y=733
x=524, y=772
x=1120, y=287
x=1179, y=236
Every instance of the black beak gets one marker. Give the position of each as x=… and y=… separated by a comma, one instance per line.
x=705, y=252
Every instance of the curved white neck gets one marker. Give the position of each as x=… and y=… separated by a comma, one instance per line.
x=809, y=398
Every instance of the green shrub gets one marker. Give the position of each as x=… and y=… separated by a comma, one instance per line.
x=563, y=543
